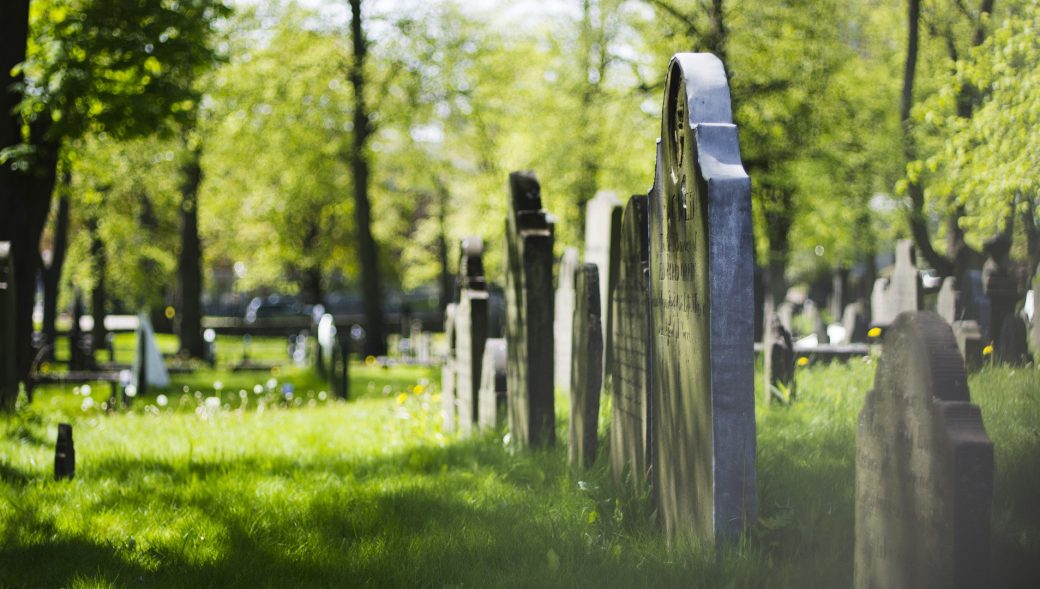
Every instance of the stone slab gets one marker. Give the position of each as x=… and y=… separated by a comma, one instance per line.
x=586, y=368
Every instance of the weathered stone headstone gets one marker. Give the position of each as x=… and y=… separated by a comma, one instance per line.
x=8, y=314
x=149, y=367
x=448, y=371
x=854, y=320
x=999, y=283
x=471, y=324
x=924, y=466
x=586, y=368
x=493, y=384
x=899, y=292
x=529, y=314
x=701, y=307
x=602, y=234
x=974, y=302
x=812, y=312
x=629, y=343
x=1013, y=346
x=970, y=343
x=839, y=298
x=948, y=303
x=563, y=317
x=779, y=362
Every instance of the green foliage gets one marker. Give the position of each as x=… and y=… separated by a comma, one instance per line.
x=983, y=162
x=125, y=68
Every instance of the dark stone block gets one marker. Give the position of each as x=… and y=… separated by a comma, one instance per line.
x=586, y=367
x=64, y=454
x=529, y=315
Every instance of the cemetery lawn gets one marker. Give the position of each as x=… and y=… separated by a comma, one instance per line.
x=370, y=492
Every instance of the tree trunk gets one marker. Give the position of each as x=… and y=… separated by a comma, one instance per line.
x=189, y=316
x=447, y=281
x=51, y=274
x=375, y=341
x=98, y=296
x=311, y=291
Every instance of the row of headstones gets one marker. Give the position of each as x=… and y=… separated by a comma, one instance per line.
x=473, y=375
x=681, y=366
x=980, y=306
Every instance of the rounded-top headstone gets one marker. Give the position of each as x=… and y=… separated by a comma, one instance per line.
x=924, y=466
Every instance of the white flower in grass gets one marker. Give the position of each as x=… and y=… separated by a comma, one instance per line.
x=161, y=400
x=322, y=395
x=213, y=403
x=272, y=383
x=86, y=390
x=258, y=389
x=218, y=386
x=87, y=404
x=130, y=390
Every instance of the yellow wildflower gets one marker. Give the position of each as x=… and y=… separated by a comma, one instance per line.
x=401, y=398
x=370, y=361
x=418, y=389
x=169, y=312
x=803, y=361
x=874, y=332
x=987, y=350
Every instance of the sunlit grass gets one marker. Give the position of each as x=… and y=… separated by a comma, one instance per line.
x=313, y=492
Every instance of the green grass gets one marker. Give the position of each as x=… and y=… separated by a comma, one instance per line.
x=372, y=492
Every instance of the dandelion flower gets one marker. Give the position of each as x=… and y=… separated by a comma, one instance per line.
x=401, y=398
x=874, y=332
x=987, y=350
x=803, y=361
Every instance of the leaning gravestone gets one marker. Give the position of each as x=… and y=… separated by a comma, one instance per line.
x=901, y=291
x=448, y=370
x=8, y=314
x=629, y=345
x=493, y=384
x=701, y=258
x=529, y=314
x=779, y=362
x=149, y=367
x=563, y=317
x=924, y=466
x=602, y=234
x=586, y=368
x=471, y=326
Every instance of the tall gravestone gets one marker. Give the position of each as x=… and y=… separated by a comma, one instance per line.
x=8, y=315
x=586, y=368
x=1012, y=347
x=493, y=384
x=529, y=314
x=924, y=466
x=999, y=284
x=563, y=317
x=448, y=371
x=974, y=302
x=701, y=258
x=629, y=343
x=471, y=327
x=899, y=292
x=602, y=234
x=854, y=320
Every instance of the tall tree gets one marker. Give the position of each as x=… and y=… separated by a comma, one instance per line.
x=189, y=317
x=375, y=340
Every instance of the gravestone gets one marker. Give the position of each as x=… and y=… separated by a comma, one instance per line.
x=812, y=312
x=854, y=320
x=602, y=234
x=8, y=315
x=924, y=466
x=529, y=314
x=493, y=384
x=563, y=318
x=701, y=258
x=471, y=324
x=149, y=367
x=999, y=283
x=948, y=304
x=968, y=336
x=64, y=454
x=448, y=371
x=839, y=298
x=586, y=368
x=779, y=362
x=785, y=312
x=974, y=302
x=899, y=292
x=1012, y=347
x=629, y=343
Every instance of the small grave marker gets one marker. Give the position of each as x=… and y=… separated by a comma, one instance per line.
x=586, y=368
